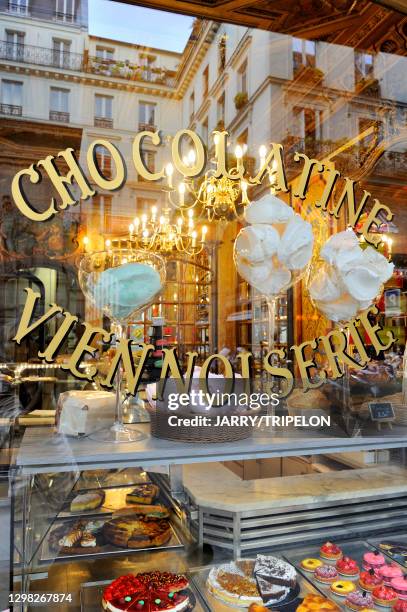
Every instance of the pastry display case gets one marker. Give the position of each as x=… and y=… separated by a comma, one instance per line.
x=217, y=186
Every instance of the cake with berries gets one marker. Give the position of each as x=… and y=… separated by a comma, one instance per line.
x=373, y=560
x=148, y=592
x=389, y=573
x=347, y=567
x=384, y=596
x=370, y=580
x=359, y=600
x=326, y=574
x=400, y=586
x=330, y=551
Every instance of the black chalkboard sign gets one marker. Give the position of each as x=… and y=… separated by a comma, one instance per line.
x=381, y=411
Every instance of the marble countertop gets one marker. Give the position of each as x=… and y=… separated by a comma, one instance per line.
x=42, y=450
x=229, y=492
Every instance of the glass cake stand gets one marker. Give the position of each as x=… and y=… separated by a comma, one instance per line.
x=121, y=283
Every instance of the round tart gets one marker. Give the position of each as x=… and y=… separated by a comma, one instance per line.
x=370, y=580
x=148, y=592
x=342, y=587
x=400, y=606
x=384, y=596
x=389, y=572
x=373, y=560
x=137, y=532
x=326, y=574
x=359, y=600
x=310, y=565
x=347, y=567
x=258, y=608
x=331, y=551
x=400, y=586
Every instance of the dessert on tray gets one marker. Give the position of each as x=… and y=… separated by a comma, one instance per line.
x=343, y=587
x=400, y=586
x=400, y=606
x=326, y=574
x=87, y=501
x=389, y=572
x=359, y=600
x=315, y=602
x=264, y=580
x=384, y=596
x=310, y=565
x=330, y=551
x=81, y=537
x=149, y=510
x=373, y=560
x=347, y=567
x=370, y=580
x=148, y=592
x=143, y=494
x=137, y=531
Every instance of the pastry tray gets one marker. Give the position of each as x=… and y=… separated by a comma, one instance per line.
x=91, y=597
x=48, y=554
x=111, y=478
x=355, y=550
x=115, y=498
x=396, y=539
x=200, y=577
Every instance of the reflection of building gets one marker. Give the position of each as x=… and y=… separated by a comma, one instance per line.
x=61, y=87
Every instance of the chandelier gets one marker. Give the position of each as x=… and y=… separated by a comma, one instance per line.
x=217, y=197
x=161, y=235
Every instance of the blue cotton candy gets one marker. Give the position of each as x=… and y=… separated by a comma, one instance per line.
x=123, y=290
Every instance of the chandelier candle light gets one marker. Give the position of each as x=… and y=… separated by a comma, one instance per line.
x=222, y=193
x=159, y=234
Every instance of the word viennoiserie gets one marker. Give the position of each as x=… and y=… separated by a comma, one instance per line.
x=272, y=163
x=334, y=344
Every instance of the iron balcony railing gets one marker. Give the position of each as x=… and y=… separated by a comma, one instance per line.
x=40, y=56
x=60, y=116
x=66, y=60
x=103, y=122
x=11, y=109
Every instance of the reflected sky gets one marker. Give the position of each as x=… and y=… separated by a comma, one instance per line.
x=135, y=24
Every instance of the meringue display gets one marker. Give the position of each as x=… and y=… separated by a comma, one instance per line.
x=126, y=288
x=349, y=278
x=275, y=246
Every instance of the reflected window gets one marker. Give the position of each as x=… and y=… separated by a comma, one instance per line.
x=205, y=81
x=303, y=53
x=59, y=105
x=242, y=73
x=205, y=131
x=222, y=54
x=149, y=162
x=65, y=10
x=61, y=52
x=104, y=53
x=191, y=106
x=147, y=62
x=364, y=67
x=11, y=97
x=18, y=6
x=221, y=109
x=104, y=162
x=103, y=111
x=146, y=116
x=14, y=45
x=102, y=213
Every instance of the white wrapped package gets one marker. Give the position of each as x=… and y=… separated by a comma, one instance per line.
x=295, y=248
x=83, y=412
x=269, y=209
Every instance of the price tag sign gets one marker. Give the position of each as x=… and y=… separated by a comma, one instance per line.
x=382, y=412
x=392, y=302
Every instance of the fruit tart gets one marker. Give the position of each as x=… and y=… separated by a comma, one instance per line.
x=326, y=574
x=384, y=596
x=373, y=560
x=400, y=586
x=331, y=551
x=347, y=567
x=359, y=600
x=400, y=606
x=370, y=580
x=389, y=572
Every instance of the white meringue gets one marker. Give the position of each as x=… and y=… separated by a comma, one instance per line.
x=341, y=242
x=295, y=248
x=325, y=286
x=268, y=209
x=339, y=310
x=383, y=267
x=362, y=283
x=256, y=274
x=256, y=243
x=278, y=280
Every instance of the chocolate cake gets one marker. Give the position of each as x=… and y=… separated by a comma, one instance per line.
x=275, y=571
